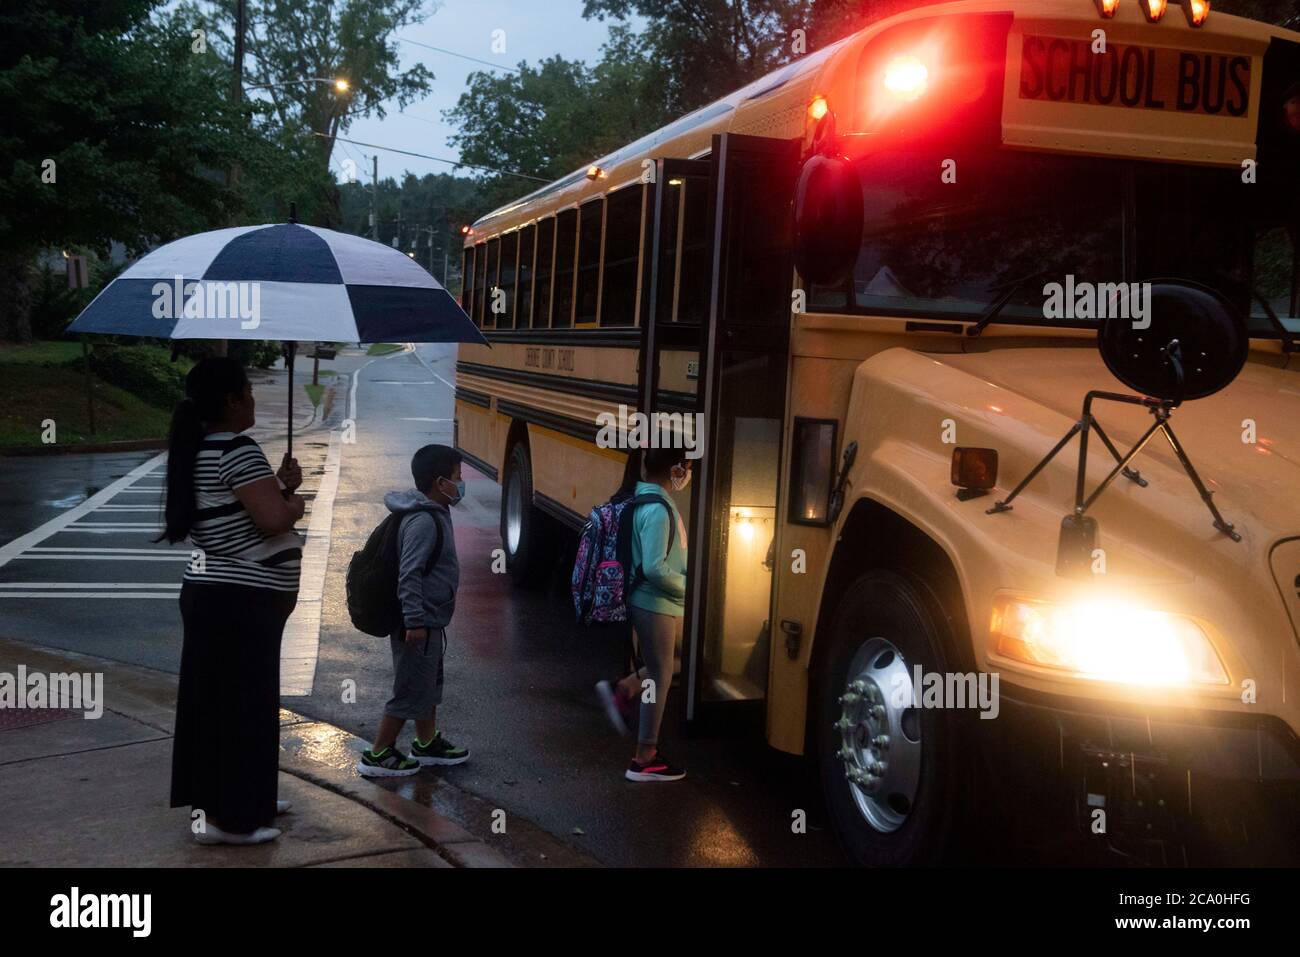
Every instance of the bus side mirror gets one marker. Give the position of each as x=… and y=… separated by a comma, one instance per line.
x=827, y=219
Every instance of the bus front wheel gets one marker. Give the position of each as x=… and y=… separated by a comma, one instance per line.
x=523, y=528
x=893, y=772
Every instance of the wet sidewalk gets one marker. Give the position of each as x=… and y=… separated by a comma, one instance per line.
x=79, y=792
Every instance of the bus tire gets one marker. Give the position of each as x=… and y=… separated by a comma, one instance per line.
x=525, y=530
x=895, y=778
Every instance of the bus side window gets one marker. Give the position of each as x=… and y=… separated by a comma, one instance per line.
x=590, y=221
x=493, y=260
x=542, y=282
x=695, y=262
x=467, y=283
x=618, y=296
x=566, y=245
x=480, y=281
x=524, y=306
x=509, y=257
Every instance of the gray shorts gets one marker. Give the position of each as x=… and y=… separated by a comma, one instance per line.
x=417, y=676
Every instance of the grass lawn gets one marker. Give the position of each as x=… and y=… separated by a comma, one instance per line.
x=39, y=353
x=383, y=349
x=31, y=393
x=314, y=392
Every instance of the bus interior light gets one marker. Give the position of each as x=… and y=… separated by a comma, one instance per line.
x=1107, y=8
x=1197, y=11
x=906, y=77
x=1154, y=9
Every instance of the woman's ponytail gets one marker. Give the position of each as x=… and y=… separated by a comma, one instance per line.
x=207, y=387
x=182, y=448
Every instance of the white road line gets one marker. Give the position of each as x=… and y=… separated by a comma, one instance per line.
x=160, y=557
x=80, y=595
x=61, y=522
x=174, y=586
x=428, y=367
x=116, y=551
x=137, y=526
x=127, y=508
x=143, y=488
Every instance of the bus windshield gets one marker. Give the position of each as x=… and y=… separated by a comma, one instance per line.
x=943, y=240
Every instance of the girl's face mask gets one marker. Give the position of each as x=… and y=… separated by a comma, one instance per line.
x=680, y=477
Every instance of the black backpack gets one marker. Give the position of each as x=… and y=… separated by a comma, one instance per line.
x=373, y=604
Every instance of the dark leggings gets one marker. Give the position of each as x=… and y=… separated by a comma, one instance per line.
x=226, y=754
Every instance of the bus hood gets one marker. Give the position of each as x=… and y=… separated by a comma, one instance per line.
x=1244, y=441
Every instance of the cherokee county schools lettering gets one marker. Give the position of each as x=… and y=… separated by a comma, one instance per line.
x=72, y=910
x=1149, y=78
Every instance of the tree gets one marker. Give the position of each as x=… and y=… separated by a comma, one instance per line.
x=704, y=49
x=550, y=119
x=110, y=129
x=292, y=44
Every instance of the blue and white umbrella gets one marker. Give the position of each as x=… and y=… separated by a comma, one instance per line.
x=288, y=282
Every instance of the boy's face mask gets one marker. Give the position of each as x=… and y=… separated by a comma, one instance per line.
x=459, y=488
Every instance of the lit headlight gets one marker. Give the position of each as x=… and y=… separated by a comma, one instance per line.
x=1106, y=641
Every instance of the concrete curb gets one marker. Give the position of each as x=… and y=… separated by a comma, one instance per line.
x=143, y=696
x=444, y=836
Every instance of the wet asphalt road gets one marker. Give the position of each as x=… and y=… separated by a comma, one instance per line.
x=520, y=674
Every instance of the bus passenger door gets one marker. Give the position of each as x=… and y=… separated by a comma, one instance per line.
x=728, y=629
x=675, y=289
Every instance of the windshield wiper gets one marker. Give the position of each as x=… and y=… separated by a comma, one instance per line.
x=1009, y=290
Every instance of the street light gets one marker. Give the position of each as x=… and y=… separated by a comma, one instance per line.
x=339, y=84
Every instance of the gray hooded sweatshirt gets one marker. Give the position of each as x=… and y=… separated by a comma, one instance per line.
x=428, y=601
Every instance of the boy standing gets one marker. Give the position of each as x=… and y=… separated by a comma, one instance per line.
x=427, y=577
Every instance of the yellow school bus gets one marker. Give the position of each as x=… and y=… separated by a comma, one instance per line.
x=881, y=276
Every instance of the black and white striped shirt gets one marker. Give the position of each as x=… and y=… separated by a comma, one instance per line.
x=233, y=550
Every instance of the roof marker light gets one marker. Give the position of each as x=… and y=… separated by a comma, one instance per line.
x=1198, y=11
x=1107, y=8
x=1154, y=9
x=906, y=77
x=595, y=172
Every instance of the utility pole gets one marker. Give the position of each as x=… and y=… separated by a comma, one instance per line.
x=236, y=97
x=374, y=198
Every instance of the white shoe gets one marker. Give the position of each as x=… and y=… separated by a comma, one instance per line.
x=215, y=835
x=282, y=807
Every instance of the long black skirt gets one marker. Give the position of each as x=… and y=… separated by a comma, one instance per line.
x=226, y=754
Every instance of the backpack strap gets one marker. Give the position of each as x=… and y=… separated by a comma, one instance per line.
x=435, y=553
x=633, y=575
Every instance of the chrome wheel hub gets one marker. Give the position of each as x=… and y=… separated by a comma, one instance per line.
x=880, y=732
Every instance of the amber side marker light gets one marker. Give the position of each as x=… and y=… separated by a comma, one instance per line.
x=1198, y=11
x=974, y=471
x=1107, y=8
x=595, y=172
x=1154, y=9
x=818, y=108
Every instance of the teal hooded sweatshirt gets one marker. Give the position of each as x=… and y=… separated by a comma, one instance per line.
x=659, y=570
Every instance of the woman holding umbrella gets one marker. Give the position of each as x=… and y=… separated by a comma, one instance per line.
x=239, y=589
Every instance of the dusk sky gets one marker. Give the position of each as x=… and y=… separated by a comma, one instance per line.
x=534, y=29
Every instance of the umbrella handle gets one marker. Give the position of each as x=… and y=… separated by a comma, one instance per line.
x=290, y=348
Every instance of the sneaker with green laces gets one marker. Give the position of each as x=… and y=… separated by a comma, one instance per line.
x=388, y=763
x=438, y=751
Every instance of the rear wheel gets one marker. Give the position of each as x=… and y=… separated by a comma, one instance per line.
x=895, y=775
x=525, y=531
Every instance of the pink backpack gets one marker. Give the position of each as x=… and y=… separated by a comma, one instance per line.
x=602, y=573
